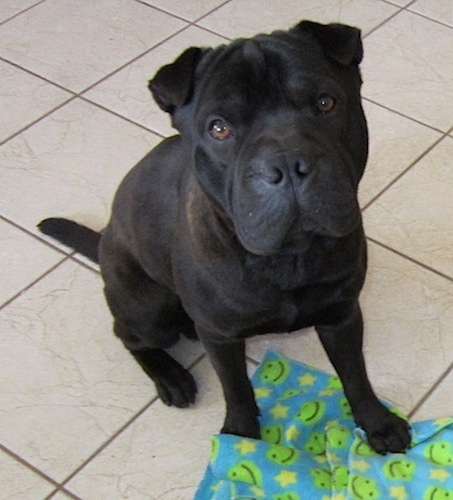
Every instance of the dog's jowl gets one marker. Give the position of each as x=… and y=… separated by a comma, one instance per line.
x=247, y=222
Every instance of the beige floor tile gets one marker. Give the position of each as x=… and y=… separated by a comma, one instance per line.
x=161, y=455
x=69, y=165
x=240, y=18
x=24, y=98
x=77, y=43
x=19, y=483
x=61, y=496
x=408, y=314
x=23, y=260
x=10, y=8
x=63, y=373
x=400, y=3
x=66, y=382
x=440, y=10
x=395, y=142
x=439, y=404
x=415, y=215
x=127, y=92
x=408, y=69
x=187, y=10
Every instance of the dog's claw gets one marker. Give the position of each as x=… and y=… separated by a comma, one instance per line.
x=390, y=435
x=175, y=385
x=179, y=391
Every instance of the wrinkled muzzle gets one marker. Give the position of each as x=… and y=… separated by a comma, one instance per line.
x=279, y=197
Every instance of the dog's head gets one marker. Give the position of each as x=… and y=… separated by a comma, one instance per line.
x=276, y=129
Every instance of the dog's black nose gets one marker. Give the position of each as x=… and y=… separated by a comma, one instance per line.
x=273, y=175
x=302, y=167
x=277, y=173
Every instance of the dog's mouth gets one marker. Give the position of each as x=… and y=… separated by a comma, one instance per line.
x=292, y=236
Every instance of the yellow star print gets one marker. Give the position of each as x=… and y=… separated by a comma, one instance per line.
x=307, y=379
x=262, y=392
x=292, y=433
x=333, y=458
x=332, y=423
x=327, y=392
x=279, y=411
x=398, y=492
x=339, y=496
x=258, y=492
x=439, y=474
x=443, y=422
x=245, y=446
x=360, y=465
x=216, y=486
x=285, y=477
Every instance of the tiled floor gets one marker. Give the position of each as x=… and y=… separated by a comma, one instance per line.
x=78, y=418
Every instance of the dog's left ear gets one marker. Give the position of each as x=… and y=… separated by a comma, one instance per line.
x=340, y=42
x=172, y=85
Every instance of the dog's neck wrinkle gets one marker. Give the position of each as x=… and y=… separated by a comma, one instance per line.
x=211, y=230
x=293, y=269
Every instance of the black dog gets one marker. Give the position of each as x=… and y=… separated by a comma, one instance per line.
x=248, y=221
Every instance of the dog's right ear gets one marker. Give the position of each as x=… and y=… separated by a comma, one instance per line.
x=172, y=85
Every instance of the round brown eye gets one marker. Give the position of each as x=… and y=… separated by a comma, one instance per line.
x=220, y=130
x=326, y=103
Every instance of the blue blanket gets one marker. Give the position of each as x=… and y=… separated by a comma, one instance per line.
x=312, y=450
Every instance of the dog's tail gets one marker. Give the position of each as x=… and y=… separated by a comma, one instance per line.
x=82, y=239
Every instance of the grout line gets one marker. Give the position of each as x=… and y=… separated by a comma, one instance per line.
x=37, y=75
x=215, y=9
x=253, y=361
x=42, y=117
x=33, y=283
x=165, y=40
x=430, y=391
x=76, y=258
x=123, y=117
x=408, y=117
x=405, y=171
x=212, y=32
x=410, y=259
x=160, y=9
x=133, y=60
x=424, y=16
x=22, y=12
x=385, y=21
x=28, y=465
x=123, y=428
x=103, y=446
x=33, y=235
x=177, y=16
x=64, y=491
x=68, y=255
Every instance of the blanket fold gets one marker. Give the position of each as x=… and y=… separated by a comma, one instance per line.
x=311, y=448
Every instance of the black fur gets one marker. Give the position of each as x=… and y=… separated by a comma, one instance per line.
x=247, y=222
x=82, y=239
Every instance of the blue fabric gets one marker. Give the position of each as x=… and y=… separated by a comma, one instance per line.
x=312, y=450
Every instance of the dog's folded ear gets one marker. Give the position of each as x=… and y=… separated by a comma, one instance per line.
x=340, y=42
x=172, y=85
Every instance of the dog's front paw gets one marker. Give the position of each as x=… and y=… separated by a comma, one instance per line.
x=242, y=424
x=386, y=432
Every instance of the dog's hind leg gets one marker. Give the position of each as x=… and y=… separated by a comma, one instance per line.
x=148, y=319
x=175, y=385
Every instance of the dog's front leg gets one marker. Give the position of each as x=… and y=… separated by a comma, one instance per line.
x=385, y=431
x=230, y=365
